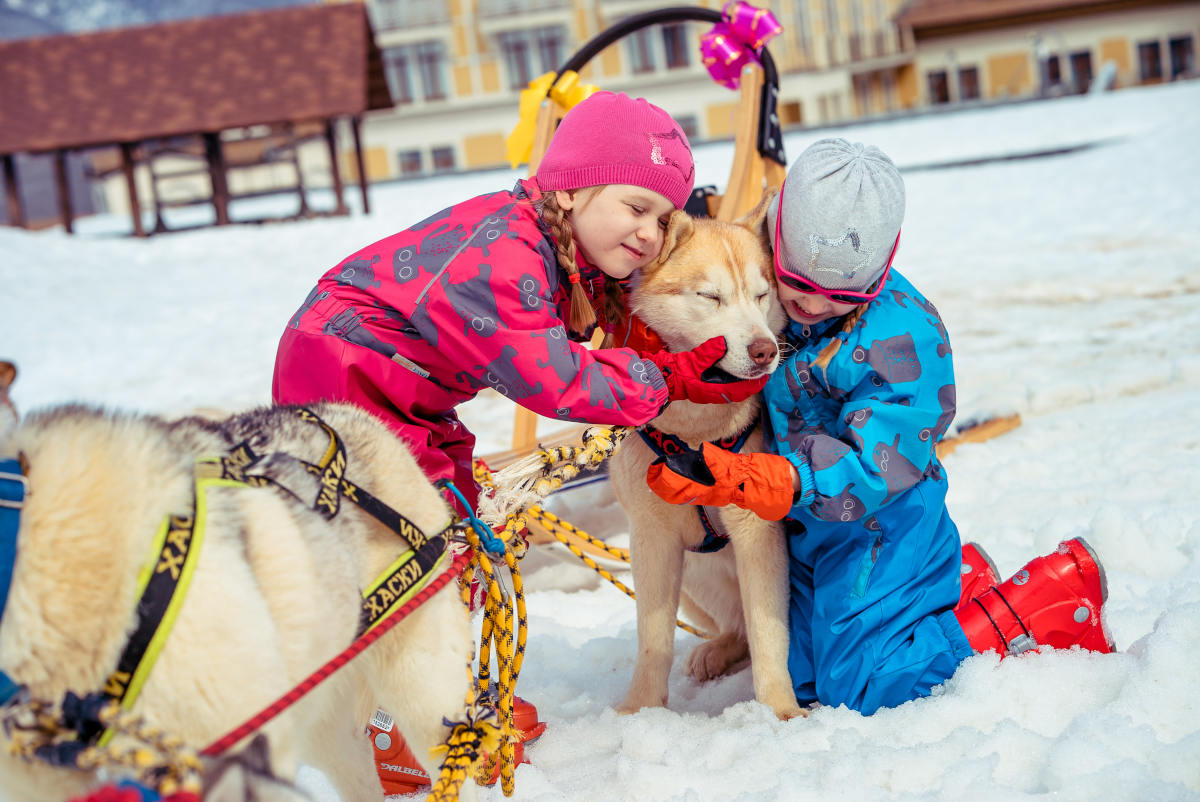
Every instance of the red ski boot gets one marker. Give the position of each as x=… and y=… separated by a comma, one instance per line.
x=397, y=766
x=978, y=573
x=1054, y=600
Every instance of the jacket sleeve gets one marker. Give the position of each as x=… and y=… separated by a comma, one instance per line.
x=500, y=318
x=897, y=401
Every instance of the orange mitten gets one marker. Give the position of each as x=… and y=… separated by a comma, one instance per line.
x=760, y=483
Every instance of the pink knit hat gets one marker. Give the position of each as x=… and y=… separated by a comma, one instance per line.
x=615, y=139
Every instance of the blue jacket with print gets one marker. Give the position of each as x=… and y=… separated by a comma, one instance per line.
x=862, y=430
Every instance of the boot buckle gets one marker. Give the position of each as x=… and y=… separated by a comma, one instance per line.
x=1022, y=644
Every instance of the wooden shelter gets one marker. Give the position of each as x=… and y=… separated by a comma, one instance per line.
x=275, y=71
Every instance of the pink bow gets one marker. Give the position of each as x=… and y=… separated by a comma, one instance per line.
x=735, y=41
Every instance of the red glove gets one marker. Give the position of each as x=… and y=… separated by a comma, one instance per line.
x=694, y=376
x=760, y=483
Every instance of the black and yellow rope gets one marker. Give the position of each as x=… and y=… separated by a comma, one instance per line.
x=504, y=630
x=558, y=528
x=161, y=761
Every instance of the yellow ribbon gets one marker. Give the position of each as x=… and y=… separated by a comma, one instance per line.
x=567, y=91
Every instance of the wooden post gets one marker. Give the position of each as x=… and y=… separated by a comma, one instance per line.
x=334, y=167
x=16, y=212
x=356, y=126
x=747, y=175
x=135, y=206
x=64, y=191
x=216, y=172
x=293, y=143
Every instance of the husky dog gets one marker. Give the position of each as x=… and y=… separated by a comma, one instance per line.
x=711, y=278
x=276, y=589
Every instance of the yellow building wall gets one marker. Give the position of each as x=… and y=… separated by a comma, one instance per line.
x=610, y=59
x=376, y=160
x=719, y=119
x=1119, y=51
x=462, y=42
x=1009, y=74
x=489, y=75
x=907, y=91
x=462, y=80
x=484, y=150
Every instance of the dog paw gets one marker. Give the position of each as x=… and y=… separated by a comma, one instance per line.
x=631, y=706
x=714, y=658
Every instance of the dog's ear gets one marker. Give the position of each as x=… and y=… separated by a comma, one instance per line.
x=756, y=218
x=679, y=231
x=8, y=374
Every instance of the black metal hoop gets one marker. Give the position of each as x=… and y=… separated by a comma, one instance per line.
x=770, y=134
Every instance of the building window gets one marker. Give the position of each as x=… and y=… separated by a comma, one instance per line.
x=689, y=124
x=398, y=70
x=1150, y=61
x=550, y=47
x=410, y=162
x=675, y=44
x=968, y=83
x=431, y=59
x=520, y=47
x=423, y=61
x=1053, y=71
x=515, y=47
x=939, y=87
x=641, y=51
x=1081, y=69
x=1183, y=57
x=443, y=159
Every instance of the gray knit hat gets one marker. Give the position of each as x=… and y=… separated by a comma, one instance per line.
x=842, y=208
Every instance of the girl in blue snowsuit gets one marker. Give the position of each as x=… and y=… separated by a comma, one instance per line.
x=878, y=615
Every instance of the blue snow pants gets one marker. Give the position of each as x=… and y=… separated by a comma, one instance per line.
x=871, y=616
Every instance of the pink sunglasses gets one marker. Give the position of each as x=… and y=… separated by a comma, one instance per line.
x=804, y=285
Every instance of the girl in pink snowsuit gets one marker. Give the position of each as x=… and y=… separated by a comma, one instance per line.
x=498, y=291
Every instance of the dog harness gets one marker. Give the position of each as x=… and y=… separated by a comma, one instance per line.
x=13, y=488
x=163, y=581
x=663, y=444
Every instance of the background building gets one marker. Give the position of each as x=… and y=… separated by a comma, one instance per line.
x=456, y=69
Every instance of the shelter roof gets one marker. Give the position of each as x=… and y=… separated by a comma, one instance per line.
x=210, y=74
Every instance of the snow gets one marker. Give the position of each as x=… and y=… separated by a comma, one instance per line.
x=1070, y=287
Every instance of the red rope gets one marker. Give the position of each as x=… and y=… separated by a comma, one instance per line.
x=324, y=672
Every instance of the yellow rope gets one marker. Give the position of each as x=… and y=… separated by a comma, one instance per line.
x=557, y=527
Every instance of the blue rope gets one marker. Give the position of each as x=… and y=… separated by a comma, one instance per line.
x=489, y=540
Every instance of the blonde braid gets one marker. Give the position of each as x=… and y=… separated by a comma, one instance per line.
x=582, y=317
x=848, y=324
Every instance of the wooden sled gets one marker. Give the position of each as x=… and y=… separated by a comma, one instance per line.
x=759, y=163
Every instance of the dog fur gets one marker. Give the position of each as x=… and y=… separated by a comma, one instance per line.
x=275, y=594
x=711, y=278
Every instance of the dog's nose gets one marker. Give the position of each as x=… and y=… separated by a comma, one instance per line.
x=762, y=350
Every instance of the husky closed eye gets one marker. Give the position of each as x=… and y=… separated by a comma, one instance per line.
x=712, y=296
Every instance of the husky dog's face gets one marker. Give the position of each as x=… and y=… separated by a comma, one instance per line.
x=715, y=278
x=8, y=412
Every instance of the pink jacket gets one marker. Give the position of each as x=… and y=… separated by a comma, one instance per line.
x=471, y=297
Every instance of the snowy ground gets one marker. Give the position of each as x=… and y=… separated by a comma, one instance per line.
x=1070, y=285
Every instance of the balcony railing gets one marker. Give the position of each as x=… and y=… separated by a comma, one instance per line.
x=392, y=14
x=492, y=9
